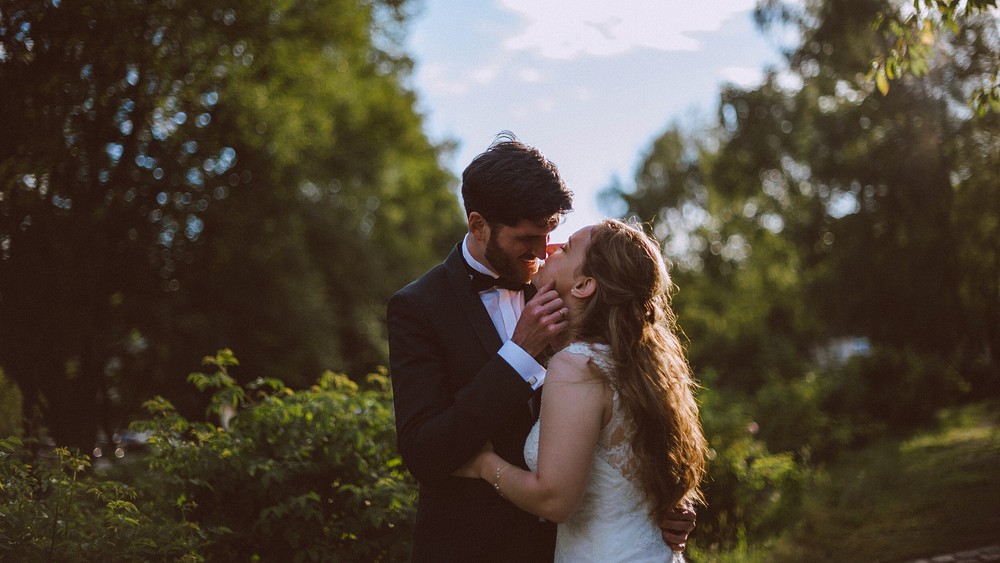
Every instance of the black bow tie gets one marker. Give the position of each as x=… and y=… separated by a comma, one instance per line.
x=482, y=282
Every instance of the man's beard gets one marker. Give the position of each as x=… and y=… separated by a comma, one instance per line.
x=504, y=265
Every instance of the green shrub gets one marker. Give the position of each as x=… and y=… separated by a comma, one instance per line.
x=52, y=509
x=298, y=476
x=749, y=489
x=891, y=390
x=790, y=417
x=308, y=475
x=10, y=407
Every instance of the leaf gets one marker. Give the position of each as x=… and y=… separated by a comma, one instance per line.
x=892, y=68
x=882, y=81
x=10, y=443
x=927, y=34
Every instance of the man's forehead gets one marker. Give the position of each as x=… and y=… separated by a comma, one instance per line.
x=533, y=228
x=527, y=227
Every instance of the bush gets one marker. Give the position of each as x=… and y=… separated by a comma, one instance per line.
x=52, y=509
x=308, y=475
x=749, y=489
x=298, y=476
x=10, y=407
x=791, y=418
x=894, y=390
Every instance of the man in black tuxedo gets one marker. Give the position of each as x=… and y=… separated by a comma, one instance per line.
x=465, y=341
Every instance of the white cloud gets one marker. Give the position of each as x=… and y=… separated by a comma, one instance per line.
x=566, y=29
x=484, y=75
x=435, y=79
x=529, y=74
x=742, y=76
x=442, y=80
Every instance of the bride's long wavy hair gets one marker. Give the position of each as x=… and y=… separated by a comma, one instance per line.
x=630, y=311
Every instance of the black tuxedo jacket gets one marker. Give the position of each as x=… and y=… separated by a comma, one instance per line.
x=452, y=393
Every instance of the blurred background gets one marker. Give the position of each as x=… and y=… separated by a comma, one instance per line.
x=179, y=177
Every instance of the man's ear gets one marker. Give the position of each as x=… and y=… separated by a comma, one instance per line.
x=479, y=227
x=584, y=287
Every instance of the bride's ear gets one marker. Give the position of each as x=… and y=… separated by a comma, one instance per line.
x=584, y=287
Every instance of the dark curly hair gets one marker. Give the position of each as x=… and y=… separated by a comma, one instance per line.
x=510, y=182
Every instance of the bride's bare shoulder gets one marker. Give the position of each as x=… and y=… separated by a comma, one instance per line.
x=569, y=365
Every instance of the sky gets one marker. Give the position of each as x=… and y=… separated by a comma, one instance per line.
x=590, y=83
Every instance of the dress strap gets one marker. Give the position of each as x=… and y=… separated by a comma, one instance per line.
x=599, y=353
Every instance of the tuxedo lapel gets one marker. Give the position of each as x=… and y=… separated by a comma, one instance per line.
x=468, y=300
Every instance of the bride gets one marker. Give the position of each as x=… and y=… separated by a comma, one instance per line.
x=618, y=446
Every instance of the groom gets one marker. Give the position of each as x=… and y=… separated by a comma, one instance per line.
x=464, y=343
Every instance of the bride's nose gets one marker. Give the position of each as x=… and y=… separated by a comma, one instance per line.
x=550, y=249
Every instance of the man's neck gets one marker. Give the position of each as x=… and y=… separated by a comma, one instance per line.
x=476, y=255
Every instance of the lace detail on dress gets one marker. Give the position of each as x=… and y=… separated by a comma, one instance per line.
x=614, y=445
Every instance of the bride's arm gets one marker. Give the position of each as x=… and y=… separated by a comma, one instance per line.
x=573, y=404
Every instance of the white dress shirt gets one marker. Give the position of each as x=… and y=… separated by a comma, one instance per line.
x=504, y=307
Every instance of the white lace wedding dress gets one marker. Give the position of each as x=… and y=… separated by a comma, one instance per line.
x=612, y=522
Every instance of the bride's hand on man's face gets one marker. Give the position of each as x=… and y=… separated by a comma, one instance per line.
x=472, y=469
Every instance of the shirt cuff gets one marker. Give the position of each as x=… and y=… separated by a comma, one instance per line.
x=530, y=370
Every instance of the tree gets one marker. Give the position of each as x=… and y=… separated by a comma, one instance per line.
x=912, y=35
x=183, y=176
x=105, y=171
x=911, y=39
x=821, y=210
x=884, y=171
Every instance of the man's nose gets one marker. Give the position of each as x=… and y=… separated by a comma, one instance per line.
x=537, y=248
x=551, y=249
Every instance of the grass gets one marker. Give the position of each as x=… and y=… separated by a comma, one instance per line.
x=935, y=492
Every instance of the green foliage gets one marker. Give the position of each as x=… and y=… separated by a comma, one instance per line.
x=906, y=499
x=297, y=476
x=897, y=389
x=790, y=417
x=911, y=41
x=306, y=475
x=10, y=407
x=180, y=175
x=53, y=509
x=749, y=487
x=824, y=212
x=106, y=165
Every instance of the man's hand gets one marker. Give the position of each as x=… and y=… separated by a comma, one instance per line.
x=676, y=527
x=472, y=469
x=542, y=319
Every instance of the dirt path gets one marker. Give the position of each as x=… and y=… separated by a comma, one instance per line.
x=988, y=553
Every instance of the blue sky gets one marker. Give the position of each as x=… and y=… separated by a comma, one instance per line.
x=590, y=83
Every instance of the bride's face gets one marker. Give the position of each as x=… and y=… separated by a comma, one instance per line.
x=565, y=262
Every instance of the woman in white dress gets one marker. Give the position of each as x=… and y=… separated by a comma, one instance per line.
x=618, y=446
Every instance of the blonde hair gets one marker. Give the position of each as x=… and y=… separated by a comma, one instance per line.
x=630, y=311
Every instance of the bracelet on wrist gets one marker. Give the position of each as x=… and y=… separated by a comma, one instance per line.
x=496, y=480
